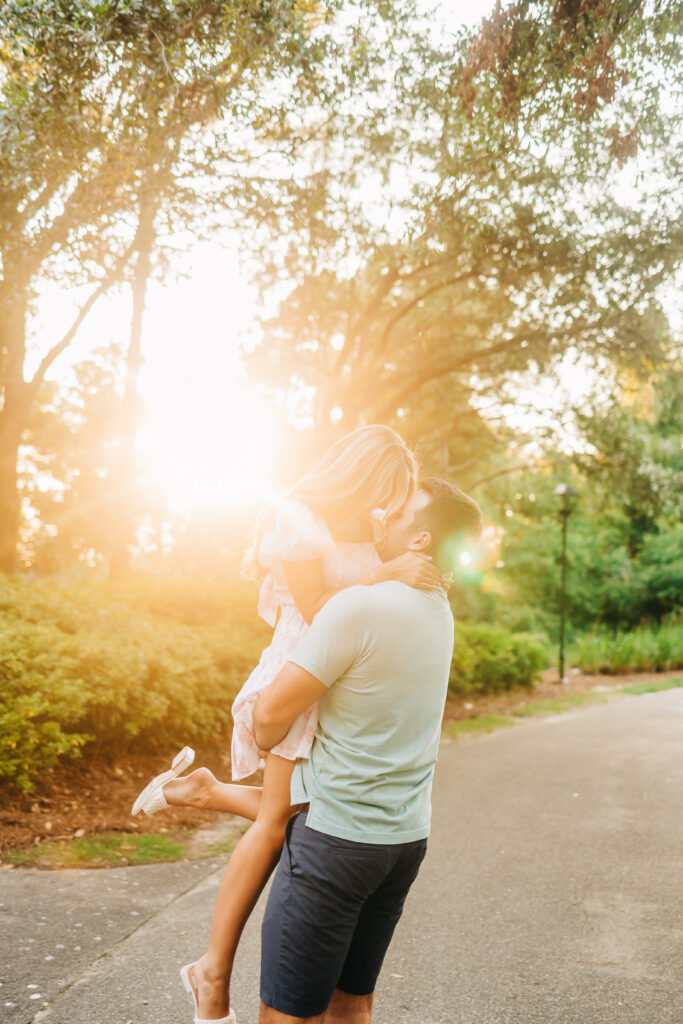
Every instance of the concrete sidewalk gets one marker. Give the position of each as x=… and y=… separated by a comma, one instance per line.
x=551, y=895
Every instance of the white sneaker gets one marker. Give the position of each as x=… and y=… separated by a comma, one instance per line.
x=152, y=798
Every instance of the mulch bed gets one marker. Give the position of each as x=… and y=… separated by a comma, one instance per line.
x=94, y=793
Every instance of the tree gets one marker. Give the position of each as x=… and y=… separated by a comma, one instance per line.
x=69, y=460
x=634, y=452
x=571, y=59
x=497, y=267
x=625, y=541
x=123, y=121
x=124, y=531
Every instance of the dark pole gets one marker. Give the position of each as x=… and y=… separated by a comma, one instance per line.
x=564, y=512
x=566, y=494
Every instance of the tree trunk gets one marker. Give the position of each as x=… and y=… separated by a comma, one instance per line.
x=10, y=502
x=13, y=421
x=125, y=520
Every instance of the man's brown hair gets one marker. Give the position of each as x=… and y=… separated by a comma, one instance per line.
x=450, y=514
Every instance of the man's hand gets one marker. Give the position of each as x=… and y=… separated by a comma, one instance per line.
x=277, y=708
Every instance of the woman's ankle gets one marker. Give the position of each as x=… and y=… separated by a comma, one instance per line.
x=213, y=971
x=212, y=984
x=204, y=780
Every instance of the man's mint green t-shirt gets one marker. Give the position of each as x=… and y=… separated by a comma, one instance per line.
x=384, y=652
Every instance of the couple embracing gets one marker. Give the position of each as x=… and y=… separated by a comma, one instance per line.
x=345, y=710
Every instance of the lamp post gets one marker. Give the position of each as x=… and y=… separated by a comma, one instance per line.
x=567, y=495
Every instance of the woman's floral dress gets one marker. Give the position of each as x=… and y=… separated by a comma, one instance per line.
x=291, y=533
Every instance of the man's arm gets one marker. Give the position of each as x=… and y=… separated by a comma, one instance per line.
x=277, y=708
x=325, y=652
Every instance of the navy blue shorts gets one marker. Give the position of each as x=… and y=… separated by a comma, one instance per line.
x=331, y=913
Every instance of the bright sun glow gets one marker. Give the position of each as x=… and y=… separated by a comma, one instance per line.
x=209, y=446
x=204, y=439
x=207, y=439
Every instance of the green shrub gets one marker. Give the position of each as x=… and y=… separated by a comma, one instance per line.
x=489, y=659
x=158, y=661
x=645, y=649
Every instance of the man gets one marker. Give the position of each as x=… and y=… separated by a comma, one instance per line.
x=378, y=659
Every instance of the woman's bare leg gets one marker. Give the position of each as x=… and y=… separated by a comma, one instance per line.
x=248, y=870
x=201, y=788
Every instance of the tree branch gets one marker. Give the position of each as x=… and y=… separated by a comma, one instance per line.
x=500, y=472
x=359, y=327
x=434, y=372
x=57, y=233
x=57, y=349
x=431, y=290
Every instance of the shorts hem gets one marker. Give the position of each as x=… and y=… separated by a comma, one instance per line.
x=292, y=1009
x=348, y=990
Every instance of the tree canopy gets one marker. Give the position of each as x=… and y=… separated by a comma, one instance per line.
x=124, y=122
x=444, y=229
x=518, y=242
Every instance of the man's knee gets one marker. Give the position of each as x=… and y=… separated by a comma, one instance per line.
x=268, y=1015
x=345, y=1008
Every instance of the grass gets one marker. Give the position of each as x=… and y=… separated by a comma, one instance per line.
x=637, y=689
x=115, y=849
x=216, y=849
x=480, y=724
x=554, y=706
x=105, y=851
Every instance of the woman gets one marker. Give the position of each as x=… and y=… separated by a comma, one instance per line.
x=318, y=540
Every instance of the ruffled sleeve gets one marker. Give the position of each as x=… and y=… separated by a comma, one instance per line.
x=290, y=533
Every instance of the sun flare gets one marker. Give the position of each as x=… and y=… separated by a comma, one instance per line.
x=207, y=440
x=209, y=447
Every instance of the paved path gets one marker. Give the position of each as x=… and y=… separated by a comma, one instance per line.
x=551, y=895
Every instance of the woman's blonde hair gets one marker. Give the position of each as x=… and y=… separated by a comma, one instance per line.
x=372, y=467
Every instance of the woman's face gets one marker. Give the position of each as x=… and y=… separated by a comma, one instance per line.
x=399, y=533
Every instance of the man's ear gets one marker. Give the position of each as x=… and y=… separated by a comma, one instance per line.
x=420, y=541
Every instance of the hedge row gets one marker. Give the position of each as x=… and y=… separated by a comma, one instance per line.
x=491, y=659
x=644, y=649
x=159, y=661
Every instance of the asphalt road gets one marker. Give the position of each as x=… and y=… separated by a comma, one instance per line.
x=551, y=894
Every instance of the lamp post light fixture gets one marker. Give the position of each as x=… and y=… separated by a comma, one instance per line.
x=567, y=495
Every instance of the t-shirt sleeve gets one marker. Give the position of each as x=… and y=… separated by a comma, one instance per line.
x=337, y=637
